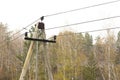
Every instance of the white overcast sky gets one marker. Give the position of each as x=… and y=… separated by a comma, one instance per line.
x=19, y=13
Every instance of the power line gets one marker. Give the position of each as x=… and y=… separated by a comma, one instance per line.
x=67, y=12
x=97, y=30
x=70, y=34
x=95, y=20
x=101, y=29
x=85, y=22
x=26, y=27
x=75, y=33
x=17, y=37
x=79, y=23
x=83, y=8
x=22, y=29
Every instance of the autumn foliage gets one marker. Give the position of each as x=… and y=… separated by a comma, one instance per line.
x=72, y=57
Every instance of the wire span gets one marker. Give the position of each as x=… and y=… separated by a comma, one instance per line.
x=97, y=30
x=67, y=12
x=101, y=4
x=84, y=22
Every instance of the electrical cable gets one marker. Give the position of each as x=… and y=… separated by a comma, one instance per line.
x=97, y=30
x=25, y=27
x=80, y=23
x=101, y=19
x=77, y=33
x=83, y=8
x=67, y=12
x=84, y=22
x=74, y=23
x=22, y=29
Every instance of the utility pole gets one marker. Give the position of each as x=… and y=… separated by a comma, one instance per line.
x=47, y=63
x=45, y=54
x=40, y=27
x=36, y=74
x=109, y=60
x=28, y=57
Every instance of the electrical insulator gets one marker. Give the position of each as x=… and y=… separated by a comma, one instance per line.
x=42, y=18
x=26, y=34
x=55, y=38
x=35, y=25
x=41, y=25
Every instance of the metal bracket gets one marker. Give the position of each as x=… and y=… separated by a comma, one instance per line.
x=42, y=40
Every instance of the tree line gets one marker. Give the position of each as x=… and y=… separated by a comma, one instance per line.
x=72, y=57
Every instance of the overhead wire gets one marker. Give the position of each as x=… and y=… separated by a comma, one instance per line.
x=89, y=21
x=26, y=27
x=75, y=33
x=78, y=24
x=21, y=29
x=91, y=31
x=73, y=23
x=84, y=22
x=83, y=8
x=68, y=12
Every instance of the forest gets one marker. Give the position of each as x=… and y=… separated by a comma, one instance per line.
x=74, y=56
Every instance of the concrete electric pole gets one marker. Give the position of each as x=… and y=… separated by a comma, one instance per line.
x=41, y=29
